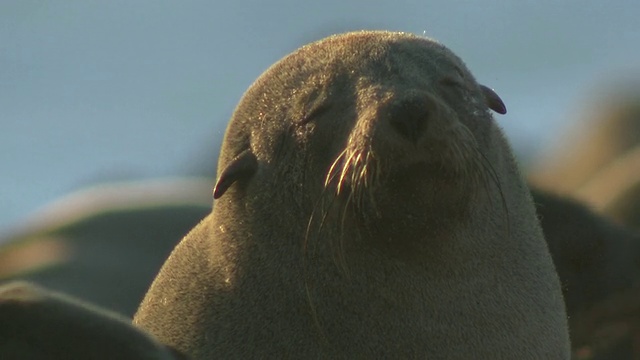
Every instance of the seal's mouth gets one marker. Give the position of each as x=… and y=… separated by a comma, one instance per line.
x=368, y=185
x=359, y=168
x=389, y=191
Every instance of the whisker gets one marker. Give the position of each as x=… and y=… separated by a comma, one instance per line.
x=331, y=173
x=496, y=181
x=345, y=169
x=341, y=250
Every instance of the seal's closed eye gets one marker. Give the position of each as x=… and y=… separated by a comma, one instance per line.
x=241, y=167
x=453, y=81
x=493, y=100
x=314, y=113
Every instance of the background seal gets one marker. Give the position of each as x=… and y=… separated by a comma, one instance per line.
x=36, y=323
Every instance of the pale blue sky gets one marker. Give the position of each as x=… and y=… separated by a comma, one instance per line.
x=100, y=90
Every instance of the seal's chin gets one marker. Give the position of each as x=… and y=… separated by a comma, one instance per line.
x=432, y=181
x=394, y=191
x=419, y=201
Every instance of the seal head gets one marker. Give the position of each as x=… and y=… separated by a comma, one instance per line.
x=385, y=122
x=367, y=205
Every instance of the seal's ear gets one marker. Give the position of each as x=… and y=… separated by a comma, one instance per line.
x=241, y=167
x=493, y=100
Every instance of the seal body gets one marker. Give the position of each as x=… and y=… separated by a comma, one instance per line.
x=597, y=262
x=598, y=159
x=36, y=323
x=595, y=257
x=105, y=244
x=367, y=206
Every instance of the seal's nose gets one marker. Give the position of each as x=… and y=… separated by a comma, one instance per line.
x=409, y=116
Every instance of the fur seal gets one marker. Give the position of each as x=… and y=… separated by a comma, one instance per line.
x=105, y=244
x=367, y=206
x=610, y=128
x=615, y=189
x=38, y=324
x=595, y=258
x=598, y=262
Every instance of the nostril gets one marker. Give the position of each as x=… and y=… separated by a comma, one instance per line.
x=409, y=117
